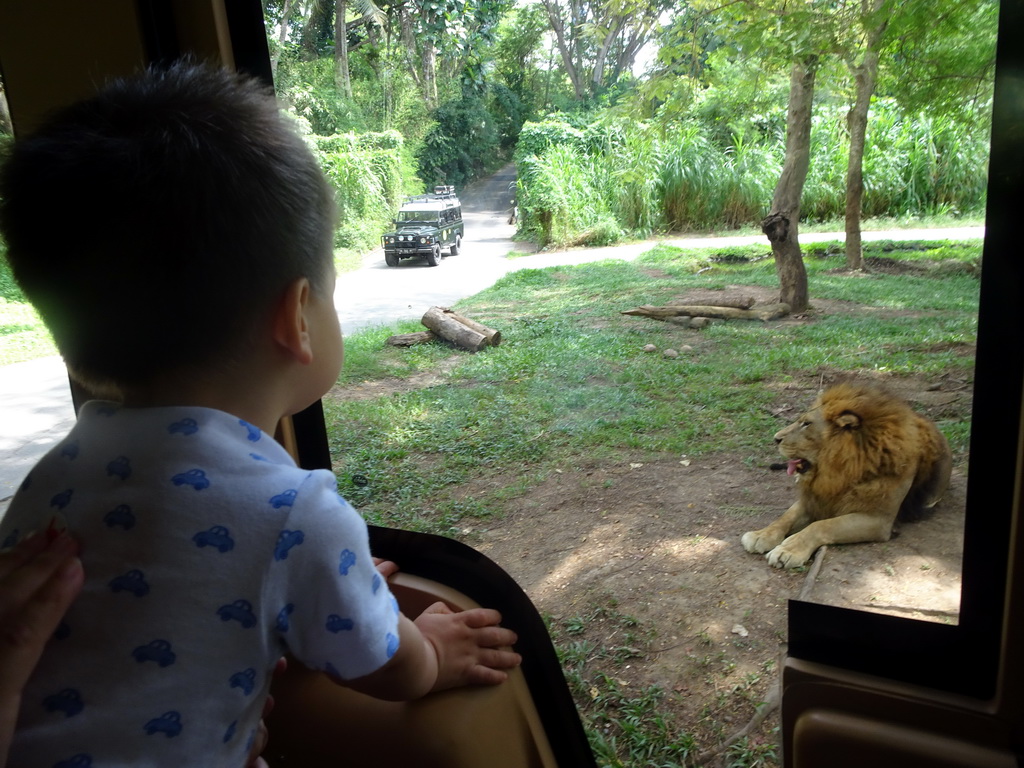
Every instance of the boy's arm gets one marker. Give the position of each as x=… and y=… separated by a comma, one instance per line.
x=441, y=650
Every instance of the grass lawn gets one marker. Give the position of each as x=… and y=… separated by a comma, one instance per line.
x=571, y=378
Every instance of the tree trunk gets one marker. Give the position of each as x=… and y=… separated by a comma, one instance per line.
x=342, y=80
x=781, y=223
x=864, y=77
x=282, y=35
x=407, y=41
x=568, y=60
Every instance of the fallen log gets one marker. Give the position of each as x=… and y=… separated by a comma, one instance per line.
x=493, y=337
x=448, y=328
x=411, y=339
x=735, y=301
x=768, y=312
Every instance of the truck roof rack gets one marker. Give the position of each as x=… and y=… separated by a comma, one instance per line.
x=441, y=192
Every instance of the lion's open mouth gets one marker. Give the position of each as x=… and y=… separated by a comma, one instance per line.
x=797, y=466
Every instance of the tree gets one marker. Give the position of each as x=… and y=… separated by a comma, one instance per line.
x=594, y=36
x=872, y=22
x=781, y=223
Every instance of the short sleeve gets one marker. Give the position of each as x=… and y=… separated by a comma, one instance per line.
x=334, y=612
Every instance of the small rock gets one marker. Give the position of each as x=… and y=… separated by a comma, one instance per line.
x=670, y=353
x=740, y=630
x=686, y=348
x=650, y=348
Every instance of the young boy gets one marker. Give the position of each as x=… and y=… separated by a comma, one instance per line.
x=175, y=235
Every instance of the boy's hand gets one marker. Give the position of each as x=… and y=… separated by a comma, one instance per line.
x=385, y=568
x=469, y=646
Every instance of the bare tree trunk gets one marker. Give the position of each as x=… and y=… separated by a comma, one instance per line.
x=342, y=80
x=282, y=35
x=407, y=40
x=555, y=17
x=602, y=54
x=864, y=77
x=781, y=223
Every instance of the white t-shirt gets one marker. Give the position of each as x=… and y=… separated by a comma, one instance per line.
x=207, y=554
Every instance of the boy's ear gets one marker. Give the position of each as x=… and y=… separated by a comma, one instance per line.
x=290, y=329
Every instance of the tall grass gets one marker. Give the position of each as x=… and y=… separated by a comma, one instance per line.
x=649, y=178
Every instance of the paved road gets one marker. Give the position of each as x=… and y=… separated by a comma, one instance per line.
x=35, y=403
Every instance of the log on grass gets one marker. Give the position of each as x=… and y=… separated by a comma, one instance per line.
x=493, y=337
x=411, y=339
x=768, y=312
x=737, y=301
x=448, y=328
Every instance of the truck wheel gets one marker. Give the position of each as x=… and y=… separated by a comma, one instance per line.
x=434, y=256
x=456, y=245
x=391, y=259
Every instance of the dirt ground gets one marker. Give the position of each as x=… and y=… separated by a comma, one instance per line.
x=660, y=542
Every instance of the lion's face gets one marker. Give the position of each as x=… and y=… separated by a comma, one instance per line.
x=803, y=440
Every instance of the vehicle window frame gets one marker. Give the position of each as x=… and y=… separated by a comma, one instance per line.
x=962, y=658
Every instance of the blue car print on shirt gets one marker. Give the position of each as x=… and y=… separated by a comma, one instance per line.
x=348, y=559
x=253, y=432
x=285, y=499
x=282, y=624
x=218, y=537
x=194, y=477
x=69, y=451
x=375, y=584
x=392, y=642
x=68, y=701
x=240, y=611
x=169, y=723
x=155, y=650
x=78, y=761
x=285, y=541
x=184, y=427
x=246, y=680
x=121, y=515
x=229, y=734
x=120, y=467
x=62, y=499
x=336, y=624
x=133, y=582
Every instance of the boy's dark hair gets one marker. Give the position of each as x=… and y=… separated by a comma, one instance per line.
x=155, y=224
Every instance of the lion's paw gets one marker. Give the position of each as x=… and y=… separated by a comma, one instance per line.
x=782, y=557
x=759, y=542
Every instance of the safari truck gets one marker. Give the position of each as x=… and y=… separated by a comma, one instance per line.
x=426, y=224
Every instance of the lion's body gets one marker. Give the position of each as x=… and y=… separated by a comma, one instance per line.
x=862, y=457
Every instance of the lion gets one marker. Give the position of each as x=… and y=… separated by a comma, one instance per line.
x=861, y=458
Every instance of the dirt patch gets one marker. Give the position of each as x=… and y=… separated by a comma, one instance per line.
x=659, y=542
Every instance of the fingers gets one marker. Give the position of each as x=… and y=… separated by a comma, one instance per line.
x=26, y=549
x=437, y=608
x=385, y=568
x=39, y=583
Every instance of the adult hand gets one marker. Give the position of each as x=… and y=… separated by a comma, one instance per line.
x=39, y=579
